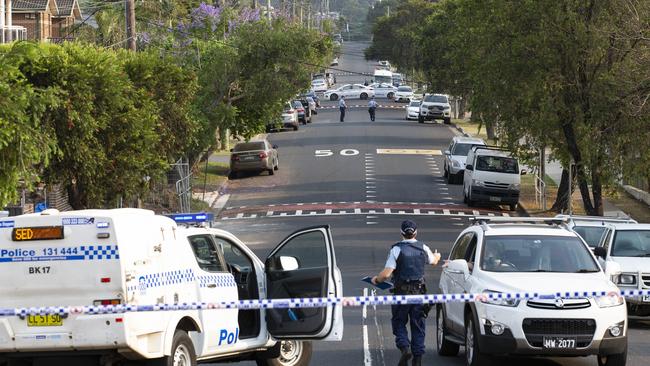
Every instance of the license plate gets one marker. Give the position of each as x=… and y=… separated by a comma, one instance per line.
x=495, y=199
x=51, y=320
x=248, y=158
x=559, y=343
x=646, y=298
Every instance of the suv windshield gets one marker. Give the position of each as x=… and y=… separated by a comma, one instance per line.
x=404, y=89
x=631, y=243
x=435, y=99
x=528, y=253
x=414, y=103
x=590, y=234
x=462, y=149
x=498, y=164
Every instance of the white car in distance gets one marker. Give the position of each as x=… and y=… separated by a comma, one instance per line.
x=383, y=90
x=517, y=255
x=456, y=156
x=404, y=93
x=413, y=109
x=350, y=91
x=319, y=85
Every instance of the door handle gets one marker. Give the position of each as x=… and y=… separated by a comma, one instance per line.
x=212, y=285
x=453, y=271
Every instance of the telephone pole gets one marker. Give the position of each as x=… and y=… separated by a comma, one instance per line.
x=130, y=24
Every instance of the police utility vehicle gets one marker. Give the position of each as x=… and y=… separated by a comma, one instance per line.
x=132, y=256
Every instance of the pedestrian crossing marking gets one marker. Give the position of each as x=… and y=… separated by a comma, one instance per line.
x=409, y=152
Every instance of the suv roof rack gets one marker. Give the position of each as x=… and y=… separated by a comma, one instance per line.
x=621, y=219
x=489, y=147
x=486, y=220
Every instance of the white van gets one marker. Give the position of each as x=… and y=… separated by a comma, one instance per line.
x=131, y=256
x=492, y=176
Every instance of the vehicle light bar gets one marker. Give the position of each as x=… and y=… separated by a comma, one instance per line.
x=516, y=220
x=192, y=218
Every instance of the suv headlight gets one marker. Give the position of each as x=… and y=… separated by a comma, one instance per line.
x=626, y=279
x=455, y=163
x=478, y=183
x=515, y=186
x=509, y=302
x=608, y=301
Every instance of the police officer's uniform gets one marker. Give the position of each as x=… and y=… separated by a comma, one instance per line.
x=408, y=259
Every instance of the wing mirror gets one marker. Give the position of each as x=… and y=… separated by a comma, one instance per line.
x=458, y=266
x=469, y=167
x=447, y=152
x=289, y=263
x=275, y=146
x=524, y=172
x=231, y=150
x=600, y=252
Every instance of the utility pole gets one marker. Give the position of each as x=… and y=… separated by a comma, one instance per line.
x=130, y=24
x=268, y=10
x=309, y=16
x=301, y=6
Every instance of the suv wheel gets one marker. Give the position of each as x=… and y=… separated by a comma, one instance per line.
x=513, y=207
x=363, y=96
x=445, y=347
x=182, y=352
x=390, y=95
x=292, y=353
x=473, y=355
x=334, y=97
x=613, y=360
x=420, y=119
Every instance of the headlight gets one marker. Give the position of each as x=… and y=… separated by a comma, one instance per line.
x=515, y=186
x=447, y=108
x=477, y=183
x=510, y=302
x=609, y=300
x=455, y=163
x=626, y=279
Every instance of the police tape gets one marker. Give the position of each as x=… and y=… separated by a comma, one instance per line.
x=315, y=302
x=381, y=106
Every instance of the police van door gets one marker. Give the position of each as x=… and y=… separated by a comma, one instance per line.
x=304, y=266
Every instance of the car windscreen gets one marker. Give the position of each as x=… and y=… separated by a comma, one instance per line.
x=435, y=99
x=462, y=149
x=248, y=146
x=497, y=164
x=631, y=243
x=535, y=253
x=297, y=104
x=383, y=79
x=404, y=89
x=415, y=103
x=590, y=234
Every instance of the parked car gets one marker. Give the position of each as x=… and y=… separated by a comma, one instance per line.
x=350, y=91
x=515, y=255
x=312, y=94
x=435, y=106
x=335, y=62
x=404, y=93
x=383, y=90
x=289, y=119
x=397, y=79
x=319, y=85
x=311, y=103
x=304, y=113
x=456, y=155
x=413, y=109
x=491, y=176
x=383, y=64
x=592, y=228
x=256, y=156
x=627, y=246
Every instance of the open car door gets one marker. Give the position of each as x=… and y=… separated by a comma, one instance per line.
x=302, y=266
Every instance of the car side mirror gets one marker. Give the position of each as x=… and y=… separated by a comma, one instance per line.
x=447, y=152
x=469, y=167
x=524, y=172
x=612, y=269
x=275, y=146
x=289, y=263
x=231, y=150
x=458, y=266
x=600, y=252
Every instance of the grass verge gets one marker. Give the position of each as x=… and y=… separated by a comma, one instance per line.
x=472, y=128
x=638, y=210
x=212, y=178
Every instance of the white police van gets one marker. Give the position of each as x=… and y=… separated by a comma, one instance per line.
x=132, y=256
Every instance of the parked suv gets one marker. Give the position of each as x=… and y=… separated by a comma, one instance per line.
x=515, y=255
x=592, y=228
x=491, y=175
x=455, y=157
x=433, y=107
x=628, y=246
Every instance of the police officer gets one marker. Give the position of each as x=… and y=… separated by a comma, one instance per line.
x=406, y=263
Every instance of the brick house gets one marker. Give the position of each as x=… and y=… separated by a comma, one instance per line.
x=45, y=20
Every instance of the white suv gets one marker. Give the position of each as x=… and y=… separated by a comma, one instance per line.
x=456, y=155
x=509, y=255
x=592, y=228
x=628, y=246
x=435, y=106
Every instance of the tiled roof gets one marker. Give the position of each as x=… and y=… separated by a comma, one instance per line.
x=65, y=7
x=29, y=5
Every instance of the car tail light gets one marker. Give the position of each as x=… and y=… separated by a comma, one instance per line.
x=235, y=157
x=107, y=302
x=263, y=155
x=302, y=110
x=105, y=280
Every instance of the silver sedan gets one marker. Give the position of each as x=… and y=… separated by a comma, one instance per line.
x=256, y=156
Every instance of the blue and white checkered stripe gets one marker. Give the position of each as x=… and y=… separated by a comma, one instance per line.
x=100, y=252
x=161, y=279
x=317, y=302
x=220, y=280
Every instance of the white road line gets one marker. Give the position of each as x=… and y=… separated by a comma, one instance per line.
x=253, y=216
x=476, y=213
x=370, y=196
x=380, y=334
x=367, y=359
x=312, y=213
x=371, y=222
x=357, y=210
x=446, y=212
x=372, y=211
x=269, y=213
x=298, y=212
x=370, y=191
x=371, y=217
x=283, y=214
x=416, y=211
x=240, y=215
x=387, y=210
x=328, y=211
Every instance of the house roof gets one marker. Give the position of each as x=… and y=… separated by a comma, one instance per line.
x=30, y=5
x=67, y=7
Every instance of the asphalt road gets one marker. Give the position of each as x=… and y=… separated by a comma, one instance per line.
x=327, y=170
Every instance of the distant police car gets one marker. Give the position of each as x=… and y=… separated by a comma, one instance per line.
x=131, y=256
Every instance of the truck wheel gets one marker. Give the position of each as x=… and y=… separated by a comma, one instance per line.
x=420, y=119
x=182, y=353
x=445, y=347
x=292, y=353
x=473, y=355
x=613, y=360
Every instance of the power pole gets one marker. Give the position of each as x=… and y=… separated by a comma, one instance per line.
x=268, y=10
x=130, y=24
x=309, y=16
x=301, y=6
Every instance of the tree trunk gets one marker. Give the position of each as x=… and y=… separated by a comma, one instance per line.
x=75, y=196
x=489, y=129
x=561, y=203
x=574, y=150
x=597, y=191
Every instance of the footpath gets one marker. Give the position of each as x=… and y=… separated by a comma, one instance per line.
x=627, y=201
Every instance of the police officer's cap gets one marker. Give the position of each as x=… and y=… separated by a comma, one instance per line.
x=409, y=227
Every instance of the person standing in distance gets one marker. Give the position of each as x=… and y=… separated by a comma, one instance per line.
x=372, y=108
x=342, y=107
x=406, y=262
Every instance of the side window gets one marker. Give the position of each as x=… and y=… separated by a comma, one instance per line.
x=208, y=258
x=470, y=254
x=607, y=239
x=460, y=248
x=309, y=251
x=233, y=255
